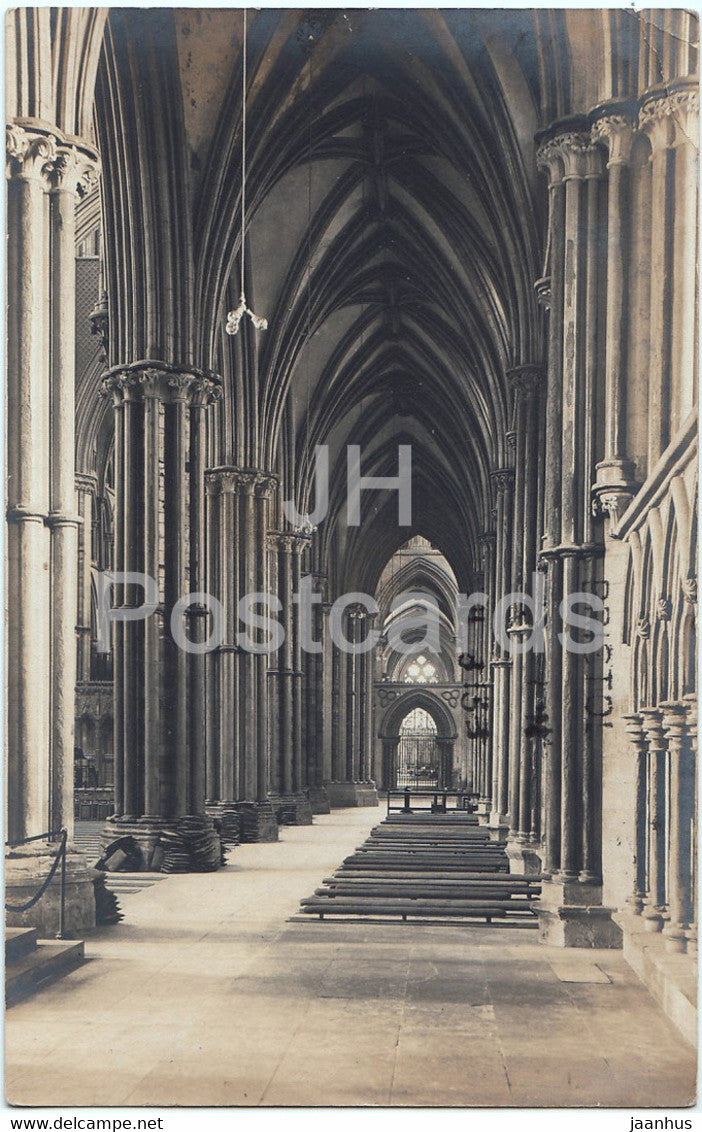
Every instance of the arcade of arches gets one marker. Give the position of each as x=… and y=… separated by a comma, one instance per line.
x=472, y=233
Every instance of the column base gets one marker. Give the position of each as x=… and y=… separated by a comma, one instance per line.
x=227, y=821
x=257, y=822
x=188, y=844
x=343, y=794
x=291, y=809
x=26, y=868
x=319, y=800
x=571, y=914
x=483, y=811
x=524, y=857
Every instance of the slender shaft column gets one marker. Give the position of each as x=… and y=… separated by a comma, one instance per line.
x=160, y=689
x=488, y=544
x=317, y=754
x=655, y=908
x=638, y=741
x=288, y=778
x=501, y=664
x=682, y=817
x=669, y=117
x=74, y=171
x=86, y=488
x=615, y=131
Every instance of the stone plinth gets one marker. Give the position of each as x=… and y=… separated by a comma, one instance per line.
x=319, y=800
x=258, y=822
x=343, y=794
x=26, y=868
x=524, y=857
x=571, y=914
x=292, y=808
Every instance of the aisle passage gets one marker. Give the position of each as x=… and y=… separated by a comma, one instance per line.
x=205, y=994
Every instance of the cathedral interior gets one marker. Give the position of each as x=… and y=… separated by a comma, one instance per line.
x=470, y=235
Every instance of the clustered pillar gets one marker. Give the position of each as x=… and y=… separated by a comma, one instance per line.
x=46, y=174
x=664, y=740
x=238, y=741
x=159, y=684
x=289, y=792
x=571, y=911
x=352, y=682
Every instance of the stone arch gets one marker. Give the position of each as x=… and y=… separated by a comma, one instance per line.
x=389, y=733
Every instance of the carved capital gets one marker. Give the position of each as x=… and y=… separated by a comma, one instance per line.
x=689, y=588
x=525, y=380
x=76, y=169
x=610, y=503
x=503, y=479
x=162, y=382
x=669, y=116
x=569, y=154
x=643, y=628
x=616, y=133
x=543, y=292
x=30, y=153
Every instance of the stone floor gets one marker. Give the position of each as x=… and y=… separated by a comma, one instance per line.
x=206, y=995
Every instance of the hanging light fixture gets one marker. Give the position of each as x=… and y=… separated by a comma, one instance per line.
x=234, y=317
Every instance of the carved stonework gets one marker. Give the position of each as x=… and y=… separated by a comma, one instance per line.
x=610, y=503
x=543, y=292
x=569, y=154
x=643, y=628
x=670, y=116
x=76, y=169
x=689, y=587
x=30, y=153
x=616, y=132
x=664, y=609
x=162, y=382
x=525, y=380
x=99, y=319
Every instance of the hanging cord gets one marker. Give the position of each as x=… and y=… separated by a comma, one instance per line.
x=234, y=317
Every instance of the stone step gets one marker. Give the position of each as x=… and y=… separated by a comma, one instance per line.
x=19, y=942
x=48, y=961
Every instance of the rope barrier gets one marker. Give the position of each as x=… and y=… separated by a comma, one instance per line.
x=60, y=859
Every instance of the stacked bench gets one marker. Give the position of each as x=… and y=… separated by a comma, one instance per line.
x=428, y=866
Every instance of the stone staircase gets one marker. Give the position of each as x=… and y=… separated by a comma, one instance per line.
x=32, y=963
x=433, y=866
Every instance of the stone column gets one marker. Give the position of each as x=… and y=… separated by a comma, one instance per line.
x=488, y=545
x=526, y=382
x=350, y=706
x=317, y=751
x=503, y=480
x=614, y=129
x=86, y=490
x=287, y=796
x=46, y=173
x=238, y=729
x=682, y=817
x=570, y=909
x=655, y=905
x=159, y=754
x=640, y=746
x=669, y=116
